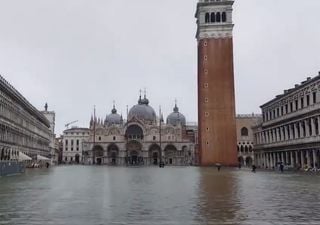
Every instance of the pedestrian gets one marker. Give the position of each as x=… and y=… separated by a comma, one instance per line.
x=218, y=166
x=239, y=166
x=281, y=167
x=254, y=168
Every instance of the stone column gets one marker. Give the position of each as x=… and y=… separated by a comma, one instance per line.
x=282, y=157
x=308, y=159
x=318, y=125
x=266, y=135
x=264, y=160
x=313, y=127
x=301, y=129
x=285, y=133
x=292, y=159
x=314, y=156
x=291, y=131
x=302, y=159
x=277, y=134
x=271, y=160
x=295, y=131
x=287, y=158
x=307, y=128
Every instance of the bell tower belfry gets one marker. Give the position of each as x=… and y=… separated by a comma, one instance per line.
x=216, y=95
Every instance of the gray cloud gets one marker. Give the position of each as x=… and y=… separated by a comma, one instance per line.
x=74, y=54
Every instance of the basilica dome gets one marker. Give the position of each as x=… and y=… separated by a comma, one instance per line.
x=113, y=118
x=176, y=117
x=142, y=111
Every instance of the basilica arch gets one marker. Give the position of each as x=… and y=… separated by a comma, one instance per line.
x=113, y=154
x=170, y=153
x=97, y=154
x=134, y=132
x=134, y=153
x=154, y=154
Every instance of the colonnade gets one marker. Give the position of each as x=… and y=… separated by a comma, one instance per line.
x=309, y=158
x=299, y=129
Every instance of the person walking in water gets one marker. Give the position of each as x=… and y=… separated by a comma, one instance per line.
x=218, y=165
x=254, y=168
x=281, y=167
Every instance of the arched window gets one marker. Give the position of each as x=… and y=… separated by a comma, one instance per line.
x=207, y=19
x=244, y=131
x=224, y=17
x=218, y=17
x=213, y=17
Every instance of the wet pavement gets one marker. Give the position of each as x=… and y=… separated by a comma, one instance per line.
x=87, y=195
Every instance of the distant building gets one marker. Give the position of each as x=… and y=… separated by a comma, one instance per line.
x=22, y=127
x=72, y=144
x=144, y=139
x=290, y=133
x=245, y=137
x=53, y=147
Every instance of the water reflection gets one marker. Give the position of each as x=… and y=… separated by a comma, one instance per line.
x=218, y=198
x=110, y=195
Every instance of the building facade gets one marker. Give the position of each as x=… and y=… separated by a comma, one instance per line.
x=289, y=133
x=143, y=139
x=72, y=141
x=245, y=137
x=216, y=97
x=22, y=127
x=53, y=146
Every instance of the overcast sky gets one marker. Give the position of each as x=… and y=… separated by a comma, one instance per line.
x=75, y=54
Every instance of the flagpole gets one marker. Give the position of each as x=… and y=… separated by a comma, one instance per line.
x=161, y=164
x=94, y=135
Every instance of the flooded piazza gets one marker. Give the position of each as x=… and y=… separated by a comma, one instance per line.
x=173, y=195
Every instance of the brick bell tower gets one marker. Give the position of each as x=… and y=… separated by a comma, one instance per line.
x=216, y=97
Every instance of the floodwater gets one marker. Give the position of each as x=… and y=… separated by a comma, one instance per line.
x=87, y=195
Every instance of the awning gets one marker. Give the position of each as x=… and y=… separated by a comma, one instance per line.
x=40, y=157
x=23, y=157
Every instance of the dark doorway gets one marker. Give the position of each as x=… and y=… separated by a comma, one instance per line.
x=113, y=158
x=155, y=158
x=77, y=158
x=134, y=160
x=99, y=161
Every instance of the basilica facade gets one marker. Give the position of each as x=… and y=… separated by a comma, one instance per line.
x=142, y=139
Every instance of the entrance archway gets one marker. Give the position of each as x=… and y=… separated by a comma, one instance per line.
x=154, y=154
x=241, y=160
x=134, y=132
x=133, y=151
x=170, y=154
x=97, y=154
x=77, y=158
x=249, y=161
x=134, y=157
x=113, y=153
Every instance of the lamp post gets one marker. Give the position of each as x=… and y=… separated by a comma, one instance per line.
x=161, y=164
x=94, y=136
